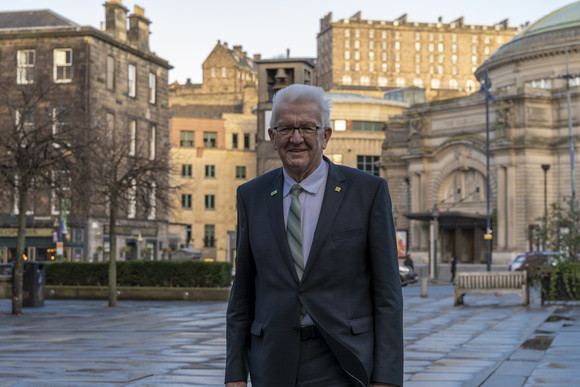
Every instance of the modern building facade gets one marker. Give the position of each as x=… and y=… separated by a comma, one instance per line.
x=115, y=80
x=435, y=156
x=373, y=56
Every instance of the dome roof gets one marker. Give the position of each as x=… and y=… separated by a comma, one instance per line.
x=560, y=28
x=565, y=17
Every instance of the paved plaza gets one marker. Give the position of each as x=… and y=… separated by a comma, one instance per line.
x=490, y=341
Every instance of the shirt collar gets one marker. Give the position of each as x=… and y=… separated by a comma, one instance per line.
x=311, y=184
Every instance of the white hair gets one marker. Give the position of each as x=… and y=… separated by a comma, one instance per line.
x=299, y=93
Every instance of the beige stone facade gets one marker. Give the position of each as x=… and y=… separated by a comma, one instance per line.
x=435, y=154
x=378, y=55
x=98, y=82
x=207, y=174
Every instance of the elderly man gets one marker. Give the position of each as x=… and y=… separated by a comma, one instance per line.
x=316, y=299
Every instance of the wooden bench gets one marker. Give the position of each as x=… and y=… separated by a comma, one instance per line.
x=491, y=282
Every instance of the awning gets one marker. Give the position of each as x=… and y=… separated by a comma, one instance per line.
x=450, y=218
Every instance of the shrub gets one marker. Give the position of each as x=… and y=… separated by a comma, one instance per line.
x=141, y=273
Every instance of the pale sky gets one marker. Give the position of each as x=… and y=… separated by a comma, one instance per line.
x=185, y=31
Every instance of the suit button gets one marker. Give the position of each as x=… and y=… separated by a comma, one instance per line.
x=300, y=291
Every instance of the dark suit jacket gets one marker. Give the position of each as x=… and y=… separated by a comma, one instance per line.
x=350, y=287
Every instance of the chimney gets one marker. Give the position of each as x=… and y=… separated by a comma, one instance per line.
x=287, y=53
x=139, y=29
x=116, y=19
x=257, y=56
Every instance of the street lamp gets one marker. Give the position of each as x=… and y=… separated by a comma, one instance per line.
x=546, y=167
x=485, y=86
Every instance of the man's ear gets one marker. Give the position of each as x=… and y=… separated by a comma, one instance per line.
x=272, y=138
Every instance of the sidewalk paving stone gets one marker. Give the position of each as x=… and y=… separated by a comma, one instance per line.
x=490, y=341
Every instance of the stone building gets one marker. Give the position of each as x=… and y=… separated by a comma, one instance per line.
x=373, y=56
x=213, y=138
x=229, y=85
x=434, y=154
x=114, y=79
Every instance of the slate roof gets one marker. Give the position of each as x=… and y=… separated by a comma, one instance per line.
x=33, y=19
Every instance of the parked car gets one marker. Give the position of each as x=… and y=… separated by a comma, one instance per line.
x=407, y=275
x=518, y=262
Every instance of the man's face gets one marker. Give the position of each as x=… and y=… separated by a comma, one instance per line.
x=300, y=154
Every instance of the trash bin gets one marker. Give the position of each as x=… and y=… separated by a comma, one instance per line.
x=33, y=284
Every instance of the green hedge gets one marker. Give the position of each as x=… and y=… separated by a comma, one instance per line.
x=141, y=273
x=561, y=282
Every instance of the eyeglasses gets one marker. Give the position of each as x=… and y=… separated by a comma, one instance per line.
x=303, y=130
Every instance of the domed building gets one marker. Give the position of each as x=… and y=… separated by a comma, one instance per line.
x=435, y=154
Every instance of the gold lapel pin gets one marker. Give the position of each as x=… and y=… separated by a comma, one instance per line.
x=337, y=189
x=274, y=193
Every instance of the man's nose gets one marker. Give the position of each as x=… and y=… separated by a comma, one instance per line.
x=296, y=135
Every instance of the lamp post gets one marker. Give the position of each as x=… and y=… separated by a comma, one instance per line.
x=546, y=167
x=485, y=86
x=568, y=77
x=434, y=231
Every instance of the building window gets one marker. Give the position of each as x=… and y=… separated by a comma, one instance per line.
x=110, y=73
x=26, y=60
x=474, y=59
x=441, y=58
x=417, y=57
x=356, y=55
x=346, y=80
x=347, y=43
x=417, y=69
x=210, y=171
x=210, y=202
x=486, y=50
x=132, y=207
x=417, y=36
x=397, y=67
x=133, y=137
x=435, y=83
x=25, y=120
x=454, y=59
x=474, y=49
x=371, y=55
x=224, y=72
x=417, y=46
x=474, y=38
x=235, y=141
x=365, y=81
x=186, y=138
x=347, y=33
x=440, y=47
x=210, y=139
x=384, y=56
x=371, y=44
x=371, y=34
x=384, y=45
x=356, y=33
x=62, y=65
x=384, y=34
x=357, y=44
x=453, y=84
x=371, y=67
x=188, y=234
x=397, y=45
x=418, y=82
x=400, y=82
x=382, y=81
x=152, y=139
x=186, y=170
x=209, y=238
x=397, y=57
x=346, y=66
x=470, y=86
x=431, y=47
x=246, y=141
x=367, y=126
x=186, y=201
x=240, y=172
x=132, y=81
x=368, y=164
x=384, y=67
x=454, y=48
x=347, y=55
x=152, y=88
x=440, y=69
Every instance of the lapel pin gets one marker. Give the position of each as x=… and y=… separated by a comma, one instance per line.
x=337, y=189
x=274, y=193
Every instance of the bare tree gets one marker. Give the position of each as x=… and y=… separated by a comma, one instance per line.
x=128, y=174
x=36, y=151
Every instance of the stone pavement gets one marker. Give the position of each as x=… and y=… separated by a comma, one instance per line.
x=490, y=341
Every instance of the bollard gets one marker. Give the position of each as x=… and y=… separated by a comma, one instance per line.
x=424, y=286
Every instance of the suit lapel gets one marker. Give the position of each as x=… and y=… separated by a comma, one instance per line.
x=334, y=192
x=276, y=215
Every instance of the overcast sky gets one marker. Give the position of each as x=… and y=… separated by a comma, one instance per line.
x=185, y=31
